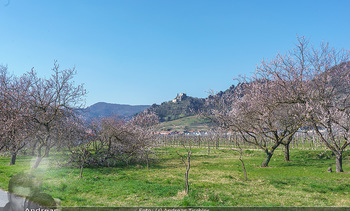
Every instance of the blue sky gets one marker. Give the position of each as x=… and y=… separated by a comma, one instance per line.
x=142, y=52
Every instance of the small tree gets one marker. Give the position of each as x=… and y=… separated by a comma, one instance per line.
x=186, y=160
x=76, y=138
x=143, y=125
x=241, y=159
x=80, y=155
x=115, y=139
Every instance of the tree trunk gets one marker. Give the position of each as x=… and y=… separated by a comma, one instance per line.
x=109, y=146
x=187, y=188
x=47, y=154
x=267, y=159
x=208, y=146
x=244, y=170
x=165, y=147
x=13, y=158
x=286, y=152
x=37, y=162
x=81, y=169
x=187, y=165
x=147, y=161
x=339, y=163
x=34, y=147
x=40, y=157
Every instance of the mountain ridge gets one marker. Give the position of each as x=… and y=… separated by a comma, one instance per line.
x=103, y=109
x=181, y=106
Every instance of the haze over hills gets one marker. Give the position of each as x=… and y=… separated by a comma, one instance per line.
x=185, y=106
x=181, y=113
x=102, y=109
x=181, y=106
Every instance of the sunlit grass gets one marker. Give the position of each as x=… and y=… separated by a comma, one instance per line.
x=215, y=180
x=195, y=123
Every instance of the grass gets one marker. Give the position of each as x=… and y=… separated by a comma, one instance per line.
x=194, y=123
x=215, y=180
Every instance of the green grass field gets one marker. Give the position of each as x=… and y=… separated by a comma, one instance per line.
x=215, y=180
x=195, y=123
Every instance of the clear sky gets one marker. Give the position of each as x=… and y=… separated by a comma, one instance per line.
x=142, y=52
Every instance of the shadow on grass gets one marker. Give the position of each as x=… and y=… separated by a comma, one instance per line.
x=305, y=163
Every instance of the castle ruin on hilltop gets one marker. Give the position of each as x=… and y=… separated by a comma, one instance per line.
x=179, y=97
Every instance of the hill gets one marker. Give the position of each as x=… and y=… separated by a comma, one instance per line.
x=181, y=106
x=185, y=106
x=102, y=109
x=190, y=123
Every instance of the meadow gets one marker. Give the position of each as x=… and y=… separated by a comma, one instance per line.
x=215, y=180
